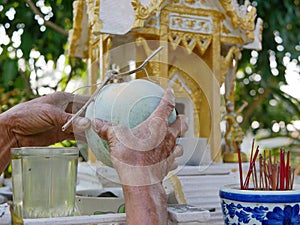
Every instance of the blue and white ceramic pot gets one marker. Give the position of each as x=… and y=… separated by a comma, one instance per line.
x=259, y=207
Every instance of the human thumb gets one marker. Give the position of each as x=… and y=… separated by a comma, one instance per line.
x=81, y=124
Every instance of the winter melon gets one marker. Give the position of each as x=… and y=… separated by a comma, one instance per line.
x=129, y=104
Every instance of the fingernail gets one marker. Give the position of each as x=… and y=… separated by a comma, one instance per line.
x=97, y=125
x=170, y=90
x=83, y=122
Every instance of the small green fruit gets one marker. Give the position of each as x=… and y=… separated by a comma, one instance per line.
x=121, y=208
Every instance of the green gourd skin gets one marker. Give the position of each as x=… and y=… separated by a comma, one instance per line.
x=129, y=104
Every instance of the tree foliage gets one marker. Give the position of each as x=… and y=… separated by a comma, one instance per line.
x=36, y=29
x=33, y=31
x=262, y=74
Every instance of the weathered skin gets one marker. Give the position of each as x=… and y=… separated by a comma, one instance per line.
x=142, y=156
x=38, y=123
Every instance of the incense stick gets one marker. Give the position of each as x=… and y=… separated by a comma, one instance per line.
x=240, y=169
x=274, y=174
x=252, y=164
x=282, y=169
x=287, y=171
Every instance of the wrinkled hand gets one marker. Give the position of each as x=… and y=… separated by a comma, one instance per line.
x=39, y=122
x=145, y=154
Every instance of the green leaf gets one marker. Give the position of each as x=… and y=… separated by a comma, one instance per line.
x=26, y=44
x=19, y=83
x=9, y=72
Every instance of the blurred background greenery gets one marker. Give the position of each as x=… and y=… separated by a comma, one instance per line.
x=33, y=62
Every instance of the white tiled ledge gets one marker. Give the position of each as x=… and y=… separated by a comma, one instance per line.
x=200, y=185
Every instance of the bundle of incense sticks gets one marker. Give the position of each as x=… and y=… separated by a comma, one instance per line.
x=273, y=172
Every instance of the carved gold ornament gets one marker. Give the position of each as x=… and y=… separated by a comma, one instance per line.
x=144, y=12
x=189, y=40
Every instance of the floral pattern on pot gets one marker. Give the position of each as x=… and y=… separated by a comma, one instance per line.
x=236, y=214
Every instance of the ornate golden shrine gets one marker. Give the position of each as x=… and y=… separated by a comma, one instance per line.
x=214, y=30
